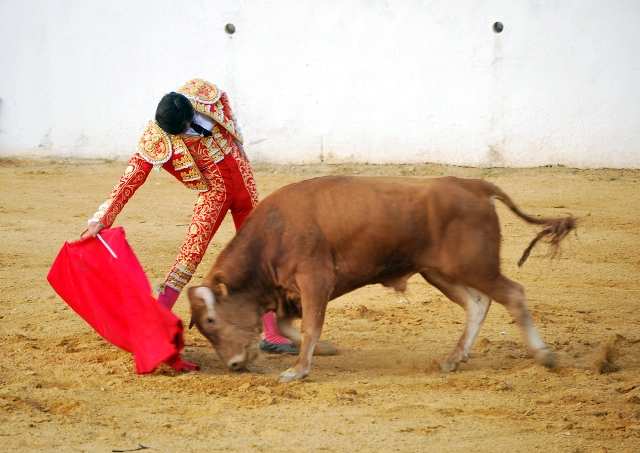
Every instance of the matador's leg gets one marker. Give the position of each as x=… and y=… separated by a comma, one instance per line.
x=208, y=214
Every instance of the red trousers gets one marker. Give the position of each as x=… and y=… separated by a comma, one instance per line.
x=230, y=184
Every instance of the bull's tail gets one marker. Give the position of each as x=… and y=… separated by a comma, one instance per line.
x=556, y=229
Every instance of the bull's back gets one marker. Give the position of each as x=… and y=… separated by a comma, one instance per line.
x=364, y=229
x=343, y=206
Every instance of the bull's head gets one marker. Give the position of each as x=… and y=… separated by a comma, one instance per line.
x=230, y=322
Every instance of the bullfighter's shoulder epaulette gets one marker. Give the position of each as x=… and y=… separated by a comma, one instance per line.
x=207, y=99
x=200, y=91
x=154, y=145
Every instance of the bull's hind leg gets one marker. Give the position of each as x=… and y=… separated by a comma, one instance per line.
x=290, y=332
x=475, y=304
x=511, y=295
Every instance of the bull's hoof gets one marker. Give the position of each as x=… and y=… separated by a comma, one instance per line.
x=449, y=366
x=291, y=375
x=325, y=348
x=547, y=358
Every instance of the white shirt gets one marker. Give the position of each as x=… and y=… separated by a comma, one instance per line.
x=203, y=121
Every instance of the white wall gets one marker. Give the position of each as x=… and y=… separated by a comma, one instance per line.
x=336, y=80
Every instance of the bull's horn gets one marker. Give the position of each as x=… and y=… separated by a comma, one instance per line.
x=209, y=300
x=223, y=289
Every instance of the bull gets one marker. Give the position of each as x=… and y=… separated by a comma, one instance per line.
x=315, y=240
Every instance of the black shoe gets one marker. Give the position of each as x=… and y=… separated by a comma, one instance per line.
x=275, y=348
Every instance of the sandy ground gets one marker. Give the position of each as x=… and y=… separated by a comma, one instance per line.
x=63, y=388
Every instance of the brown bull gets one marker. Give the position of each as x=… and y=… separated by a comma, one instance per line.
x=313, y=241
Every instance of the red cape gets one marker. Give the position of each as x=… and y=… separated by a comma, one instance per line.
x=114, y=296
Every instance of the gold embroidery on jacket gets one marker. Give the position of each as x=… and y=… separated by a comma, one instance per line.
x=185, y=161
x=198, y=185
x=154, y=145
x=216, y=113
x=179, y=146
x=200, y=90
x=192, y=174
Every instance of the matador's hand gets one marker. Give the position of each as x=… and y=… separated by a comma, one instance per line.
x=94, y=228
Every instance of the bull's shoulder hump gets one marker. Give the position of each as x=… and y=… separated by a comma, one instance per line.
x=308, y=187
x=479, y=187
x=321, y=185
x=306, y=183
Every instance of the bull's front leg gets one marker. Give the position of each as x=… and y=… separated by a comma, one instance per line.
x=314, y=298
x=311, y=331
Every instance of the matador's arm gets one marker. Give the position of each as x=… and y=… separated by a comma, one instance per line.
x=134, y=176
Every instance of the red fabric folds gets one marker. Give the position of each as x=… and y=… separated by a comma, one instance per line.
x=113, y=295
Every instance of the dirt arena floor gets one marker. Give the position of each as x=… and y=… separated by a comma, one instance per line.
x=64, y=388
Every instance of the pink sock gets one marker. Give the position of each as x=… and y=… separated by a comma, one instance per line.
x=169, y=298
x=271, y=333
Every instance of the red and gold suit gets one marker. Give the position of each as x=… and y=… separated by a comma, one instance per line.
x=212, y=166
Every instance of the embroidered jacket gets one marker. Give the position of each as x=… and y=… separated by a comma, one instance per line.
x=182, y=156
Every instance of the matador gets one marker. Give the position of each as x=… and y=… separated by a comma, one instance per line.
x=195, y=138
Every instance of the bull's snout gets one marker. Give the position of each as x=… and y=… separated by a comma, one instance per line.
x=237, y=362
x=241, y=361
